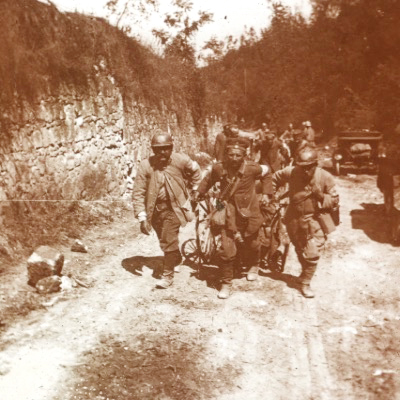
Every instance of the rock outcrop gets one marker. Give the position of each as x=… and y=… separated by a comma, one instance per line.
x=44, y=262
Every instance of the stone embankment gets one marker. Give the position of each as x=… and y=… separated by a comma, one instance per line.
x=83, y=147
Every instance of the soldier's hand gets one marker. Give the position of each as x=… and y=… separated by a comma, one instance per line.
x=318, y=193
x=335, y=199
x=145, y=227
x=195, y=197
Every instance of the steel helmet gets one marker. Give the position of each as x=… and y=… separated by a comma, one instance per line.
x=161, y=140
x=306, y=156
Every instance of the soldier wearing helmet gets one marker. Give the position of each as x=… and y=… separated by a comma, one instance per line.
x=240, y=230
x=311, y=192
x=161, y=198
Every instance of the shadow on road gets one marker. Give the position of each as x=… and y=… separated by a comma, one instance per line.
x=208, y=273
x=290, y=280
x=152, y=366
x=135, y=264
x=371, y=219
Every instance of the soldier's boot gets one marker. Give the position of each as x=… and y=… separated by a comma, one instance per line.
x=171, y=260
x=252, y=274
x=165, y=282
x=225, y=291
x=308, y=271
x=226, y=268
x=306, y=291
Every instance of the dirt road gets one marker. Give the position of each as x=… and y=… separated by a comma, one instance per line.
x=123, y=339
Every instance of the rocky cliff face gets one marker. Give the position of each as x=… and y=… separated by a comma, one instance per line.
x=83, y=146
x=74, y=124
x=79, y=103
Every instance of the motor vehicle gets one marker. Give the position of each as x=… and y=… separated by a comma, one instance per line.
x=356, y=150
x=388, y=181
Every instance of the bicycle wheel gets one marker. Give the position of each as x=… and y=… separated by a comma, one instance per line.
x=277, y=261
x=190, y=251
x=205, y=240
x=278, y=254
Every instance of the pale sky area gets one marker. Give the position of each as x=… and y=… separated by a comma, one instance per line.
x=230, y=16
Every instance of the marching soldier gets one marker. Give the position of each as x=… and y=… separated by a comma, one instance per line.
x=242, y=216
x=311, y=191
x=272, y=152
x=161, y=198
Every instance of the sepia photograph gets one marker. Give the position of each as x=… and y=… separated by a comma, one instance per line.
x=199, y=199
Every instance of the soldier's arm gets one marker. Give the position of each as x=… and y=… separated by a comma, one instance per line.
x=324, y=190
x=139, y=192
x=284, y=136
x=331, y=198
x=265, y=177
x=284, y=150
x=193, y=171
x=208, y=180
x=280, y=178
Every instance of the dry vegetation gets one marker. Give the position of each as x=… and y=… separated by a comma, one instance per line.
x=44, y=53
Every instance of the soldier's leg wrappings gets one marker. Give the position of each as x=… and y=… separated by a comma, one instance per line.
x=166, y=224
x=226, y=272
x=171, y=260
x=311, y=253
x=308, y=269
x=227, y=255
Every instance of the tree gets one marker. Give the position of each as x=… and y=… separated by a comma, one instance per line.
x=176, y=39
x=181, y=28
x=129, y=12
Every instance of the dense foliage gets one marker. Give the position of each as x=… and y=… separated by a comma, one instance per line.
x=340, y=69
x=43, y=50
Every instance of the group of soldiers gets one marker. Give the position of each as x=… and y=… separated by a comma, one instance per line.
x=168, y=185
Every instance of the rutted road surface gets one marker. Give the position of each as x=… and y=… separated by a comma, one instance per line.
x=123, y=339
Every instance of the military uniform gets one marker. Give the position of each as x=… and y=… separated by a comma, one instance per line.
x=243, y=213
x=304, y=230
x=272, y=154
x=160, y=195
